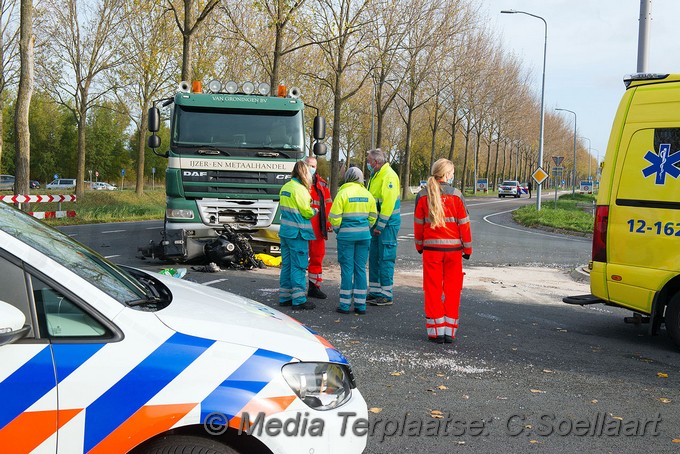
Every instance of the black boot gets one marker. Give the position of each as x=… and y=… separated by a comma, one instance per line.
x=315, y=292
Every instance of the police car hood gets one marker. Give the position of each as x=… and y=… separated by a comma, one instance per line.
x=202, y=311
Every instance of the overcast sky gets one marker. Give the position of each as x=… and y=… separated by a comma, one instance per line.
x=592, y=44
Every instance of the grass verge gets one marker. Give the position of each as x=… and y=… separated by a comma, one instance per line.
x=109, y=206
x=573, y=213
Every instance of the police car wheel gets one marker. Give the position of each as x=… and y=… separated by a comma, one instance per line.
x=186, y=444
x=672, y=319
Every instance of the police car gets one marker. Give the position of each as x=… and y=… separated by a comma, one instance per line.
x=99, y=358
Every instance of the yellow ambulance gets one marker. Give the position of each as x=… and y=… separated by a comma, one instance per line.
x=636, y=240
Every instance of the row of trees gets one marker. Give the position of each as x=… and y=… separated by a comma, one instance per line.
x=421, y=79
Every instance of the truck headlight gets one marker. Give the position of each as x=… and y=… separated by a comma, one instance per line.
x=322, y=386
x=179, y=214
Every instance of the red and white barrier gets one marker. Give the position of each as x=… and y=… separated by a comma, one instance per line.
x=43, y=199
x=52, y=214
x=38, y=198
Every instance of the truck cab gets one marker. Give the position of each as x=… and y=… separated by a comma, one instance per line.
x=230, y=153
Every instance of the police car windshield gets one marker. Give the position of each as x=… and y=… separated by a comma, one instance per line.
x=86, y=263
x=241, y=131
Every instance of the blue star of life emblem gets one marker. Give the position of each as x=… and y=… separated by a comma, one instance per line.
x=662, y=164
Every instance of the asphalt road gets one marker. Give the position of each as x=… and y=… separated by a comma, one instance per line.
x=521, y=376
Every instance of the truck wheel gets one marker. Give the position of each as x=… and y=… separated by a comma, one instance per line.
x=672, y=319
x=186, y=444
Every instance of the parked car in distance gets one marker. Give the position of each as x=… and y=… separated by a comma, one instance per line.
x=102, y=186
x=34, y=184
x=62, y=183
x=509, y=188
x=6, y=183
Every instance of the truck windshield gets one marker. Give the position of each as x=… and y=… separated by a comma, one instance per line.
x=237, y=128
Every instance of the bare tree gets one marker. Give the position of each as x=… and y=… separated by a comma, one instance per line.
x=187, y=23
x=432, y=23
x=149, y=71
x=344, y=21
x=83, y=44
x=22, y=133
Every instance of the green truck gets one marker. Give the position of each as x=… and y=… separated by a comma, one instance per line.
x=231, y=149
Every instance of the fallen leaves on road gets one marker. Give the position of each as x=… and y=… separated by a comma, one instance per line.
x=537, y=391
x=396, y=373
x=375, y=409
x=436, y=414
x=661, y=375
x=665, y=400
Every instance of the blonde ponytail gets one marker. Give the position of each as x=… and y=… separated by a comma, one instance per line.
x=440, y=169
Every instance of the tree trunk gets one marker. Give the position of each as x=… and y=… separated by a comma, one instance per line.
x=465, y=159
x=82, y=123
x=452, y=148
x=406, y=164
x=274, y=81
x=187, y=43
x=492, y=183
x=335, y=144
x=22, y=156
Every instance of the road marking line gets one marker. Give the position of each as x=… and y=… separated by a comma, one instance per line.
x=531, y=232
x=154, y=228
x=216, y=281
x=113, y=231
x=111, y=256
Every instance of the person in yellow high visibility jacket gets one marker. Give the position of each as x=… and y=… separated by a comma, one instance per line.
x=352, y=215
x=384, y=186
x=295, y=232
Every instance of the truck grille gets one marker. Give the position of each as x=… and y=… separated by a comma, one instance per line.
x=241, y=214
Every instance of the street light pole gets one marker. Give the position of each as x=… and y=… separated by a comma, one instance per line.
x=573, y=175
x=540, y=134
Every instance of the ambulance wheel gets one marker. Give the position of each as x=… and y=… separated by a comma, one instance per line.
x=672, y=319
x=186, y=444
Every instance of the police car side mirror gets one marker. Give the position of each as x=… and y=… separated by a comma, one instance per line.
x=12, y=324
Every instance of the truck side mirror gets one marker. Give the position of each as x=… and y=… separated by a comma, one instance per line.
x=319, y=148
x=154, y=119
x=154, y=141
x=12, y=324
x=319, y=128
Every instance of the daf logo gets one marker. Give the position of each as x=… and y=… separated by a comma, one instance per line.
x=189, y=173
x=286, y=176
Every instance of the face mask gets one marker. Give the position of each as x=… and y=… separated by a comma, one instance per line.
x=312, y=171
x=450, y=180
x=370, y=167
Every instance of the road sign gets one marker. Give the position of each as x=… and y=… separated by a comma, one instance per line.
x=557, y=171
x=122, y=172
x=558, y=160
x=539, y=175
x=153, y=170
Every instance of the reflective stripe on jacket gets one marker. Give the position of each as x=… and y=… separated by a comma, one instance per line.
x=353, y=212
x=455, y=234
x=296, y=211
x=385, y=187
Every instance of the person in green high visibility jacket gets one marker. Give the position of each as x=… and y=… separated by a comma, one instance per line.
x=384, y=186
x=295, y=232
x=352, y=215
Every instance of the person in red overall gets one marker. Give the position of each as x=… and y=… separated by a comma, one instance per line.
x=322, y=202
x=443, y=236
